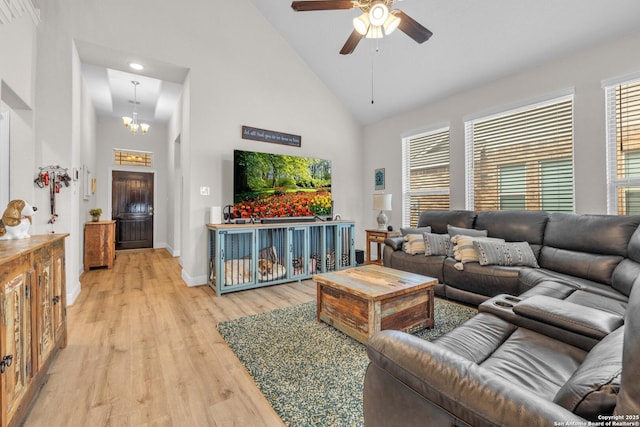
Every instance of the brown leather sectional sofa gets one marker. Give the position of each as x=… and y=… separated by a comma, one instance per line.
x=550, y=346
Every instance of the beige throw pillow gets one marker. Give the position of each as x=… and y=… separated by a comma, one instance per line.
x=413, y=244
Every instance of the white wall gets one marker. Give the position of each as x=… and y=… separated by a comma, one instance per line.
x=582, y=72
x=233, y=81
x=17, y=77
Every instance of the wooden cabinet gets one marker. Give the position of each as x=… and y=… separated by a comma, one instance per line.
x=246, y=256
x=99, y=244
x=33, y=318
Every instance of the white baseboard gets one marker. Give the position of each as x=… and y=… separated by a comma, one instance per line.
x=173, y=252
x=73, y=292
x=193, y=281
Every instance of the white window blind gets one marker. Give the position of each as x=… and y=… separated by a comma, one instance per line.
x=522, y=159
x=623, y=147
x=425, y=174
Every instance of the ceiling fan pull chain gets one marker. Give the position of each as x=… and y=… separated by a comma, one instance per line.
x=377, y=49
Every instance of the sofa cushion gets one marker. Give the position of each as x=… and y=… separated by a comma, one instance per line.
x=596, y=267
x=414, y=230
x=413, y=244
x=596, y=234
x=515, y=226
x=487, y=280
x=593, y=388
x=459, y=231
x=439, y=219
x=437, y=244
x=535, y=362
x=624, y=275
x=507, y=253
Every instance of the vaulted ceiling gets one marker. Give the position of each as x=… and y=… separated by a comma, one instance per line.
x=474, y=42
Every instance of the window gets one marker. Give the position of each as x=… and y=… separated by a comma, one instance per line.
x=425, y=174
x=623, y=147
x=132, y=158
x=522, y=159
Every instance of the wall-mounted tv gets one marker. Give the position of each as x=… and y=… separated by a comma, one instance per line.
x=269, y=185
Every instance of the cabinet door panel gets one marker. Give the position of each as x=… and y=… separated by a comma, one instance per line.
x=46, y=337
x=16, y=336
x=59, y=300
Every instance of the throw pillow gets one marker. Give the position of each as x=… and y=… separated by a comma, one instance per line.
x=464, y=249
x=509, y=253
x=415, y=230
x=413, y=244
x=437, y=244
x=454, y=231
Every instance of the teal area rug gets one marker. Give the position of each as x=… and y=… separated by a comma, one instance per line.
x=311, y=373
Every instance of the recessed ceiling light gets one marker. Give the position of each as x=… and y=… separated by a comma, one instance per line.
x=136, y=66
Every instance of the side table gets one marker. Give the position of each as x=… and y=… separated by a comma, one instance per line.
x=378, y=237
x=99, y=244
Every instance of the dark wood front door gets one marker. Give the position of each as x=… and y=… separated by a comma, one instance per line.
x=132, y=205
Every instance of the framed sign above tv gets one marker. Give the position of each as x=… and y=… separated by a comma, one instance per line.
x=264, y=135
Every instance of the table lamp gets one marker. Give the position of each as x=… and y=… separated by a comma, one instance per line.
x=382, y=202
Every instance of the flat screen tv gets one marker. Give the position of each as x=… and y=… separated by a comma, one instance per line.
x=269, y=185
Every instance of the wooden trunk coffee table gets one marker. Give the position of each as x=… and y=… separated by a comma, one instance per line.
x=363, y=300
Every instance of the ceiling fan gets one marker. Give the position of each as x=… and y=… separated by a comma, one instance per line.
x=376, y=21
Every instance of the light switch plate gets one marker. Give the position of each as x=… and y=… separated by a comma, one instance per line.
x=204, y=191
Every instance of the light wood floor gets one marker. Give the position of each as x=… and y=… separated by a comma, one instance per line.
x=143, y=349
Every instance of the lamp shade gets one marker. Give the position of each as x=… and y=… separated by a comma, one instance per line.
x=382, y=202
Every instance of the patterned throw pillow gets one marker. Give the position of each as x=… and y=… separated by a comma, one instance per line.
x=465, y=250
x=508, y=254
x=437, y=244
x=413, y=244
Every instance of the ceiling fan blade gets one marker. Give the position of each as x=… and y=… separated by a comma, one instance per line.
x=304, y=6
x=412, y=28
x=351, y=43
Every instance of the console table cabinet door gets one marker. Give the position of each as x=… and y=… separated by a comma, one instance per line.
x=44, y=304
x=99, y=244
x=59, y=296
x=16, y=334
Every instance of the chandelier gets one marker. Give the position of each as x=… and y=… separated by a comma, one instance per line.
x=132, y=122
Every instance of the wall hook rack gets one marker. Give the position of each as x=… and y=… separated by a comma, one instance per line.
x=54, y=177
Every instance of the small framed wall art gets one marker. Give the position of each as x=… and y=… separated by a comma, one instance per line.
x=379, y=179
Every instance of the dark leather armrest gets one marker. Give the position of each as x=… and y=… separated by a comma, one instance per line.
x=577, y=318
x=394, y=242
x=459, y=386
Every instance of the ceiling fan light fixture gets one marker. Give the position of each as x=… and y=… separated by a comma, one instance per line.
x=361, y=24
x=391, y=24
x=378, y=14
x=374, y=32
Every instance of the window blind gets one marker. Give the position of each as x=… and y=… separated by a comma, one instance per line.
x=522, y=159
x=425, y=174
x=623, y=147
